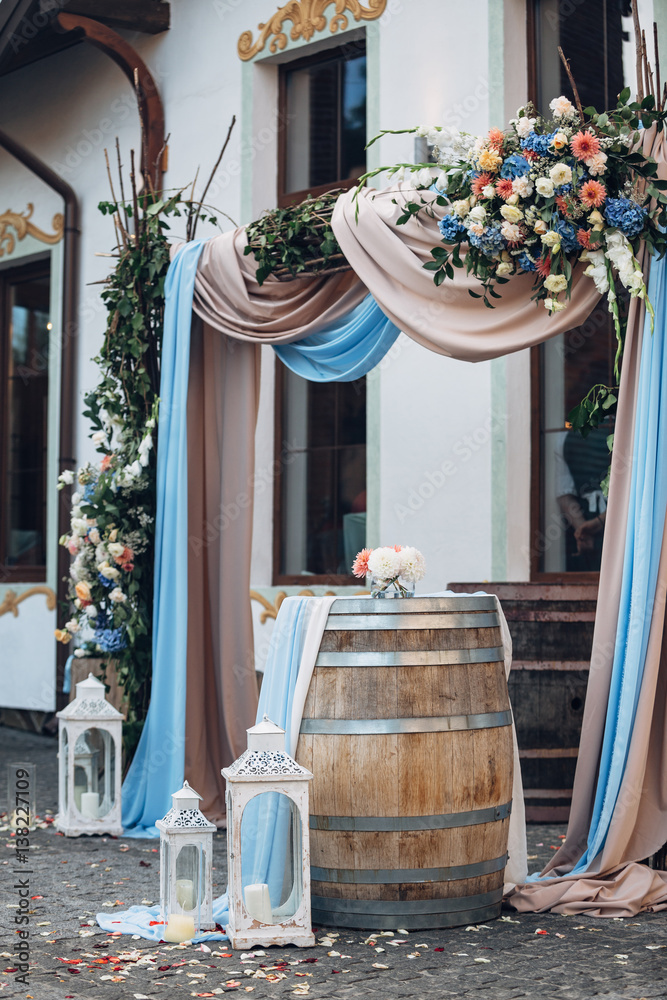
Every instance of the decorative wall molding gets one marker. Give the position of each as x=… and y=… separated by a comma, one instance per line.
x=11, y=600
x=271, y=610
x=22, y=226
x=307, y=17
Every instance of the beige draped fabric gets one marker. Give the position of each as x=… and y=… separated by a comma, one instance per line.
x=387, y=260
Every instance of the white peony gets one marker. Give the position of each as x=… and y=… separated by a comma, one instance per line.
x=522, y=186
x=511, y=232
x=524, y=126
x=384, y=563
x=413, y=564
x=544, y=186
x=560, y=174
x=597, y=164
x=561, y=106
x=117, y=596
x=555, y=283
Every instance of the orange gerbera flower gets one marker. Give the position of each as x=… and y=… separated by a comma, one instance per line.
x=480, y=183
x=584, y=240
x=496, y=139
x=563, y=207
x=504, y=189
x=584, y=145
x=592, y=194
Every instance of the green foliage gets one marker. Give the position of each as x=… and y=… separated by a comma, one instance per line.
x=296, y=240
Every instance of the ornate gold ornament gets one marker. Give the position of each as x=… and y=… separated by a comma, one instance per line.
x=11, y=601
x=307, y=17
x=271, y=610
x=21, y=224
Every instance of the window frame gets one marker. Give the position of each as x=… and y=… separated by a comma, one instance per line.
x=287, y=579
x=287, y=198
x=27, y=268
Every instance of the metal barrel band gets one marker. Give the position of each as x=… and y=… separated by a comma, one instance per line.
x=404, y=907
x=388, y=876
x=431, y=724
x=392, y=824
x=380, y=921
x=415, y=621
x=414, y=658
x=380, y=606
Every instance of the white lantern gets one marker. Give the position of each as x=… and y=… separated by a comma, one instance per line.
x=90, y=763
x=186, y=856
x=267, y=789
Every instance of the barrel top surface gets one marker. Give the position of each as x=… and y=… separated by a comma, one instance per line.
x=412, y=605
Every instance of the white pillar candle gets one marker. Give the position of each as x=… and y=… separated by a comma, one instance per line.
x=179, y=928
x=78, y=792
x=185, y=893
x=90, y=803
x=258, y=902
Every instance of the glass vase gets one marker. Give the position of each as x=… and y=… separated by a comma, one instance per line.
x=398, y=586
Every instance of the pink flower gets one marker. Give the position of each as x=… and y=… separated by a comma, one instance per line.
x=105, y=463
x=584, y=145
x=72, y=546
x=592, y=194
x=360, y=564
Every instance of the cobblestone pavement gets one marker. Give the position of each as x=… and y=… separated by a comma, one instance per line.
x=529, y=956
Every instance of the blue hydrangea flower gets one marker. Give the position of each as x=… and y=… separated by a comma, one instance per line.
x=89, y=492
x=568, y=234
x=490, y=242
x=110, y=640
x=104, y=580
x=451, y=228
x=537, y=143
x=626, y=215
x=514, y=166
x=525, y=263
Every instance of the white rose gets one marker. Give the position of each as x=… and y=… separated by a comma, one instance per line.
x=511, y=213
x=115, y=549
x=553, y=305
x=91, y=611
x=555, y=283
x=478, y=214
x=73, y=626
x=79, y=653
x=117, y=596
x=94, y=536
x=98, y=437
x=79, y=525
x=461, y=208
x=504, y=268
x=489, y=191
x=544, y=186
x=66, y=477
x=513, y=199
x=560, y=174
x=551, y=238
x=107, y=571
x=561, y=106
x=524, y=126
x=540, y=227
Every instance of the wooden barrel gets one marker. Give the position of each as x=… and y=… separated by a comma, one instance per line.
x=407, y=729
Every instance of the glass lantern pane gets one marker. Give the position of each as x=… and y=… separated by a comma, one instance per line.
x=94, y=773
x=189, y=876
x=62, y=765
x=271, y=878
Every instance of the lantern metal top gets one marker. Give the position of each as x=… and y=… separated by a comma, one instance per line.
x=185, y=813
x=90, y=703
x=266, y=757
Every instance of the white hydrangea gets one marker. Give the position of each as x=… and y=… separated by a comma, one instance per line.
x=413, y=564
x=384, y=563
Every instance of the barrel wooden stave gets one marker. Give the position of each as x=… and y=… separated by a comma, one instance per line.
x=395, y=774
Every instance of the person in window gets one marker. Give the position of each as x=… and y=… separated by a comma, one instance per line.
x=580, y=469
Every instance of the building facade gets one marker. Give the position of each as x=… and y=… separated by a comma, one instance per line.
x=470, y=463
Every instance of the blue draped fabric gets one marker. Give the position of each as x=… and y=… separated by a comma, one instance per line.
x=643, y=544
x=344, y=350
x=157, y=768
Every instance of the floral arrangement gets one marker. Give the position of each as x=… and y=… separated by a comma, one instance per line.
x=544, y=195
x=390, y=566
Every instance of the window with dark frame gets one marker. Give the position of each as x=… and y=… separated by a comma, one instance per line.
x=320, y=510
x=320, y=490
x=322, y=105
x=24, y=377
x=567, y=505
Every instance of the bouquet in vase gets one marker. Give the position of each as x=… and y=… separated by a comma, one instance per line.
x=393, y=569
